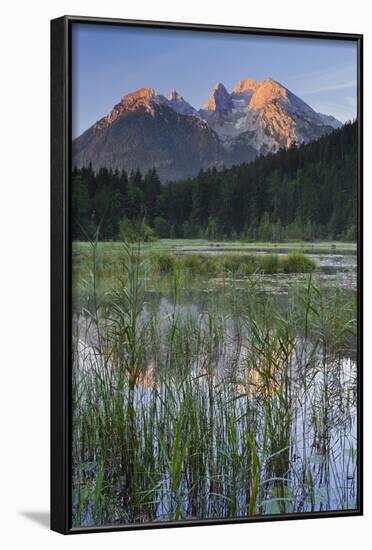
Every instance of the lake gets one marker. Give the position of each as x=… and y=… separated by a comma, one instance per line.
x=214, y=396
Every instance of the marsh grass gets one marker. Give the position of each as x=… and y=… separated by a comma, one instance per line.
x=160, y=264
x=222, y=414
x=296, y=262
x=245, y=264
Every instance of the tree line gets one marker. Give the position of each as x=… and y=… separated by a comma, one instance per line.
x=305, y=192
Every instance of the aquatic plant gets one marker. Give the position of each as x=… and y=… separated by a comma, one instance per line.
x=217, y=413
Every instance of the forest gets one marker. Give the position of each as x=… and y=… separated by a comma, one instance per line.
x=307, y=192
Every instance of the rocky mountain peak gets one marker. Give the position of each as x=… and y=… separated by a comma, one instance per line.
x=245, y=85
x=148, y=129
x=178, y=104
x=219, y=99
x=175, y=96
x=268, y=91
x=141, y=96
x=141, y=93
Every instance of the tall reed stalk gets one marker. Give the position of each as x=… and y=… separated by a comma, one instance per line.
x=213, y=413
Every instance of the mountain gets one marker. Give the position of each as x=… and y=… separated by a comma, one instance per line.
x=146, y=130
x=219, y=102
x=263, y=116
x=244, y=89
x=178, y=104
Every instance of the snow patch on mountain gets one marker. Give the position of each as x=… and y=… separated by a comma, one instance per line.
x=264, y=115
x=256, y=118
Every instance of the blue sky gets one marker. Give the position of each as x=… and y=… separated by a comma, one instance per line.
x=109, y=62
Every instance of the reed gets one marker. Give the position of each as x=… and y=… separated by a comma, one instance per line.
x=221, y=413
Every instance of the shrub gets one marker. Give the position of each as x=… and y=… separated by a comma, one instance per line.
x=237, y=263
x=135, y=230
x=162, y=228
x=350, y=234
x=232, y=263
x=250, y=268
x=200, y=263
x=203, y=264
x=296, y=262
x=164, y=263
x=269, y=264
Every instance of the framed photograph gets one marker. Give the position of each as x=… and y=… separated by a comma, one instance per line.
x=206, y=252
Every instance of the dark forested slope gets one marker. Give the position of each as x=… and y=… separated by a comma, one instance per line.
x=306, y=192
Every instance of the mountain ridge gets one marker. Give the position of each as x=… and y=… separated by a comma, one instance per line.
x=146, y=129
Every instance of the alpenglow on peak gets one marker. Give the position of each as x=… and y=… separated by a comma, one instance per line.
x=147, y=129
x=245, y=85
x=219, y=99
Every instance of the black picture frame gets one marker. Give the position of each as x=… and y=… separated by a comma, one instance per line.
x=61, y=269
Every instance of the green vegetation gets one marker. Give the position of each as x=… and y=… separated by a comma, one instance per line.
x=134, y=231
x=296, y=262
x=160, y=262
x=219, y=413
x=305, y=193
x=198, y=391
